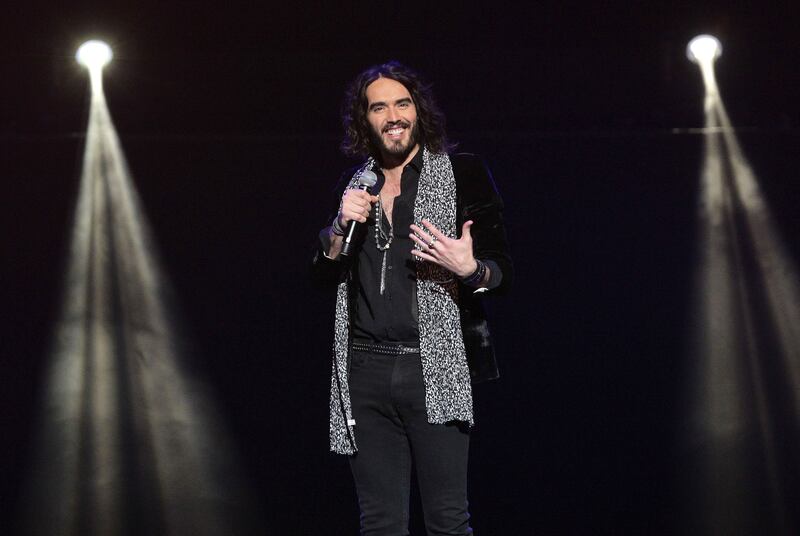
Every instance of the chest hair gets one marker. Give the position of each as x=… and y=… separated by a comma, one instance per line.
x=390, y=190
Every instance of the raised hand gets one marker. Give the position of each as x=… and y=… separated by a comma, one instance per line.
x=450, y=253
x=356, y=205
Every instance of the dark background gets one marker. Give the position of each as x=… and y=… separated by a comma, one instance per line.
x=229, y=120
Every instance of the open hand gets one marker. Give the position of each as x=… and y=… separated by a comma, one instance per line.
x=450, y=253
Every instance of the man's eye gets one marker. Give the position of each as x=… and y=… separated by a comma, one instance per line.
x=377, y=109
x=403, y=105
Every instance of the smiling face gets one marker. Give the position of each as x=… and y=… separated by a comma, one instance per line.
x=392, y=116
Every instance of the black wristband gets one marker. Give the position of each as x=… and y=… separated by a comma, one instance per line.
x=475, y=278
x=336, y=227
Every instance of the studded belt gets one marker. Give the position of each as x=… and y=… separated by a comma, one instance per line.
x=384, y=348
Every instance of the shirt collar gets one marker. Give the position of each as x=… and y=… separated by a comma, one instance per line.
x=416, y=162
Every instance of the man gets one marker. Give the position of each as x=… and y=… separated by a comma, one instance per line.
x=410, y=334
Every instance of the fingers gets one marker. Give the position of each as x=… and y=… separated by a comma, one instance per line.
x=434, y=246
x=419, y=236
x=424, y=256
x=465, y=230
x=356, y=205
x=359, y=197
x=433, y=230
x=432, y=233
x=427, y=246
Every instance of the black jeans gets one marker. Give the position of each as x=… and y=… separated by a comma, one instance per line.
x=391, y=431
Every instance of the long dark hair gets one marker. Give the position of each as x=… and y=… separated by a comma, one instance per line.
x=430, y=120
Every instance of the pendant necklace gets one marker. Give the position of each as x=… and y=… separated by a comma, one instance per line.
x=383, y=239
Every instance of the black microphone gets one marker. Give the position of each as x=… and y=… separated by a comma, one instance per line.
x=366, y=180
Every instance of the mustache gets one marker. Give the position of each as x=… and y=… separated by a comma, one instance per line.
x=404, y=124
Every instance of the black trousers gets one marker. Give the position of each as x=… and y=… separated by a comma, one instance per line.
x=392, y=432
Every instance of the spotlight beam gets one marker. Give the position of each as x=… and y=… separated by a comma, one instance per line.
x=130, y=439
x=747, y=344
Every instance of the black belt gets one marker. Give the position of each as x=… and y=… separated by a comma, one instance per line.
x=384, y=348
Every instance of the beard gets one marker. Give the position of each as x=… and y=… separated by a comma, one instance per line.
x=396, y=149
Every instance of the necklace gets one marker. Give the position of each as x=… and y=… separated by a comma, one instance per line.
x=380, y=232
x=381, y=235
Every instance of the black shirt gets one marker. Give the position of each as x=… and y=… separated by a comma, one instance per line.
x=477, y=200
x=391, y=316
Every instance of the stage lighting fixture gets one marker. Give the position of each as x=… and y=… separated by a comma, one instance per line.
x=94, y=54
x=704, y=48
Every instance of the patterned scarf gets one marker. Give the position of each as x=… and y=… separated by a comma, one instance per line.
x=448, y=392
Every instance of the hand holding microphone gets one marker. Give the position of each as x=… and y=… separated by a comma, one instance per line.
x=356, y=206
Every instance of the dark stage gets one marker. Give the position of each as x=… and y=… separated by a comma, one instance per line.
x=649, y=358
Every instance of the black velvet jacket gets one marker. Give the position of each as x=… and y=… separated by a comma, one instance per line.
x=477, y=200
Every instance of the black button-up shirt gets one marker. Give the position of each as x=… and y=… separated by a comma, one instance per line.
x=391, y=316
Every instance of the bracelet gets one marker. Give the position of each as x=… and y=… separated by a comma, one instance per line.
x=336, y=227
x=475, y=278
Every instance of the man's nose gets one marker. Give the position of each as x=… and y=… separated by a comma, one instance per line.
x=393, y=115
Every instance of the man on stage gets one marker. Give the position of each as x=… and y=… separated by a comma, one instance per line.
x=410, y=333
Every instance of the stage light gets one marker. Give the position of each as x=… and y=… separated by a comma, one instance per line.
x=745, y=341
x=703, y=49
x=129, y=437
x=94, y=54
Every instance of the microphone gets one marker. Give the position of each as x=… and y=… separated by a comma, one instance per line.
x=366, y=180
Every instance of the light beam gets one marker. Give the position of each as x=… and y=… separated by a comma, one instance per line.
x=130, y=440
x=746, y=396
